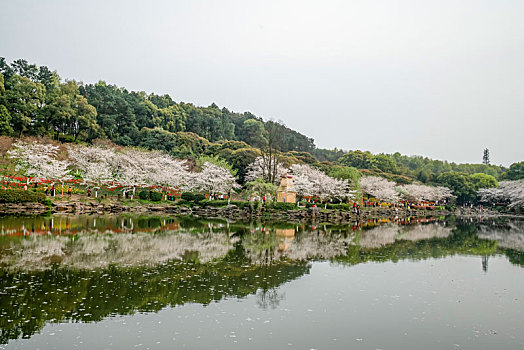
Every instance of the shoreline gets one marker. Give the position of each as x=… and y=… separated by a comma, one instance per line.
x=233, y=212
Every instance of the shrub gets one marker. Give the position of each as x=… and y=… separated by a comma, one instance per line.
x=198, y=197
x=281, y=206
x=156, y=196
x=20, y=196
x=144, y=194
x=342, y=206
x=215, y=203
x=188, y=196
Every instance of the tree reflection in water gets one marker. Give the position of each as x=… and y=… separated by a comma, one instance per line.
x=78, y=273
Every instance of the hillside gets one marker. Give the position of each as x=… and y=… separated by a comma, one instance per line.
x=35, y=101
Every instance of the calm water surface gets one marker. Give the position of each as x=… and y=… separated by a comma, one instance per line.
x=129, y=282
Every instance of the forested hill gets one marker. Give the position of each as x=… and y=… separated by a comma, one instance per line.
x=34, y=101
x=63, y=109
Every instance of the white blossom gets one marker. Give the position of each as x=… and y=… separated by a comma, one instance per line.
x=511, y=192
x=308, y=181
x=213, y=179
x=423, y=192
x=39, y=160
x=94, y=163
x=379, y=188
x=259, y=169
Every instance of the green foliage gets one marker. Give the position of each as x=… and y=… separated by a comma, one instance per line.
x=356, y=159
x=48, y=203
x=34, y=101
x=410, y=167
x=156, y=196
x=193, y=197
x=240, y=159
x=23, y=99
x=424, y=175
x=346, y=173
x=341, y=206
x=483, y=181
x=5, y=120
x=187, y=196
x=465, y=186
x=399, y=179
x=461, y=184
x=222, y=203
x=383, y=163
x=304, y=157
x=254, y=133
x=21, y=196
x=281, y=206
x=261, y=188
x=198, y=197
x=213, y=203
x=327, y=155
x=144, y=194
x=515, y=172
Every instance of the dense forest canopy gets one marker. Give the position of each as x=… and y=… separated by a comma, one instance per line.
x=35, y=101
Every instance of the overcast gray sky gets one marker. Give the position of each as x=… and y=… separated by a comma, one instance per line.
x=443, y=79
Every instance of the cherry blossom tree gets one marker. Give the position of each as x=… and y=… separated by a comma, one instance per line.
x=40, y=161
x=213, y=179
x=95, y=165
x=308, y=181
x=379, y=187
x=511, y=192
x=423, y=192
x=164, y=170
x=261, y=169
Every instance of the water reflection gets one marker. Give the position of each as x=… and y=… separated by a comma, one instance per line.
x=87, y=268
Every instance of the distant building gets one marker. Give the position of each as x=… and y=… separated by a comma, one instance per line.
x=285, y=190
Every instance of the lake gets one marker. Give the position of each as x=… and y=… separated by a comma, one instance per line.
x=167, y=282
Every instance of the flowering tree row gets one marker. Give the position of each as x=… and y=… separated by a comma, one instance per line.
x=385, y=190
x=509, y=192
x=128, y=168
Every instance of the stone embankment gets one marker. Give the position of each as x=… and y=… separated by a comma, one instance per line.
x=23, y=208
x=233, y=212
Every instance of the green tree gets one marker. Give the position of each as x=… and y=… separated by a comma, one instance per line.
x=83, y=122
x=2, y=87
x=356, y=159
x=515, y=171
x=261, y=188
x=5, y=120
x=240, y=159
x=461, y=184
x=23, y=100
x=481, y=180
x=254, y=133
x=424, y=175
x=383, y=162
x=25, y=69
x=347, y=173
